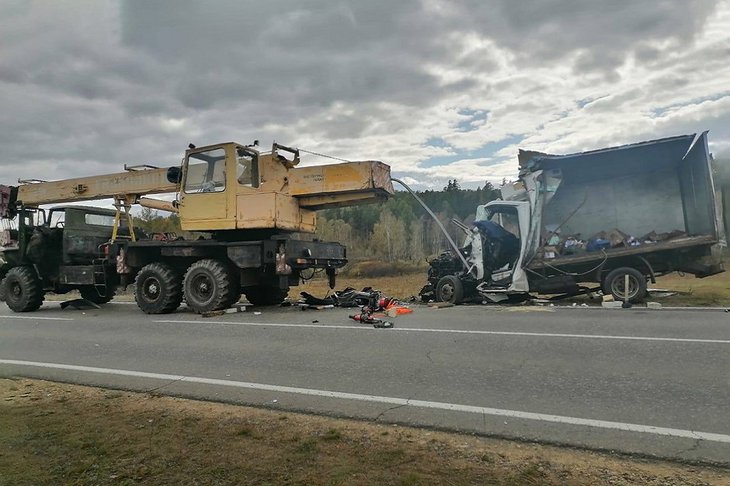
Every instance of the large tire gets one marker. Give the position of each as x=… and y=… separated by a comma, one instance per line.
x=158, y=289
x=91, y=294
x=450, y=289
x=22, y=289
x=615, y=281
x=208, y=286
x=264, y=295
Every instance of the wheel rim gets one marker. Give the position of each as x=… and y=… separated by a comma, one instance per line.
x=16, y=290
x=618, y=286
x=201, y=288
x=151, y=289
x=447, y=292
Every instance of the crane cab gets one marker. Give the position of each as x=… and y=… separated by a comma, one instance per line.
x=231, y=186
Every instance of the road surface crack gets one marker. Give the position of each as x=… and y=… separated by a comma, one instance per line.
x=695, y=446
x=390, y=409
x=165, y=385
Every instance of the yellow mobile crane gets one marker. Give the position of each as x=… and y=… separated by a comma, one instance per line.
x=249, y=202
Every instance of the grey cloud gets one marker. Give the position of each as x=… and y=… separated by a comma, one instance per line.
x=544, y=31
x=80, y=81
x=357, y=51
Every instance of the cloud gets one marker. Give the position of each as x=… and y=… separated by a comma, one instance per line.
x=88, y=86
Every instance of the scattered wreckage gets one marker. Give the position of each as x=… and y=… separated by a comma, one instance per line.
x=374, y=306
x=616, y=217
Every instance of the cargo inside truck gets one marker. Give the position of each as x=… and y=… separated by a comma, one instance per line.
x=645, y=197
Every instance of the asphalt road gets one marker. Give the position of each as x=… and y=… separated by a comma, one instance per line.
x=653, y=382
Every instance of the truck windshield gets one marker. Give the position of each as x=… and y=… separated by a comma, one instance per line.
x=206, y=171
x=506, y=217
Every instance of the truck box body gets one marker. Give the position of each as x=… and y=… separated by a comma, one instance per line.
x=659, y=195
x=660, y=186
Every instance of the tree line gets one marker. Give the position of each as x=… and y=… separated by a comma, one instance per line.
x=400, y=229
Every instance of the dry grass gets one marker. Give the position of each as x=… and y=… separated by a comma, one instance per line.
x=709, y=291
x=64, y=434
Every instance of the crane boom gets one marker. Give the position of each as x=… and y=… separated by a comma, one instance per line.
x=123, y=184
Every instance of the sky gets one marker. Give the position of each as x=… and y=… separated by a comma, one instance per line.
x=438, y=89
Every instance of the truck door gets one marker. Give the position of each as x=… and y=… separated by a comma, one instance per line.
x=502, y=241
x=203, y=199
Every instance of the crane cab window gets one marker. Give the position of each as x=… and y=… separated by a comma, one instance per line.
x=247, y=170
x=206, y=171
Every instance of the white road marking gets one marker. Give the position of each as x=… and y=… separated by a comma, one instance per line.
x=516, y=414
x=39, y=318
x=454, y=331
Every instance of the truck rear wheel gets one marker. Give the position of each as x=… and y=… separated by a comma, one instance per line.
x=450, y=289
x=208, y=286
x=22, y=289
x=262, y=295
x=615, y=283
x=158, y=289
x=91, y=294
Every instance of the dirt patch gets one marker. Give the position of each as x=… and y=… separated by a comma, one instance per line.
x=64, y=434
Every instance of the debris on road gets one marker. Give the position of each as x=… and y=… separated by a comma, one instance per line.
x=661, y=293
x=440, y=305
x=366, y=318
x=612, y=304
x=231, y=310
x=348, y=297
x=79, y=304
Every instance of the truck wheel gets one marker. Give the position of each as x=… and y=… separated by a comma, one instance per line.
x=91, y=294
x=261, y=295
x=208, y=286
x=450, y=289
x=158, y=289
x=22, y=289
x=614, y=284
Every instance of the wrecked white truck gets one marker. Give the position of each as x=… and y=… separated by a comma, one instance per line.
x=610, y=217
